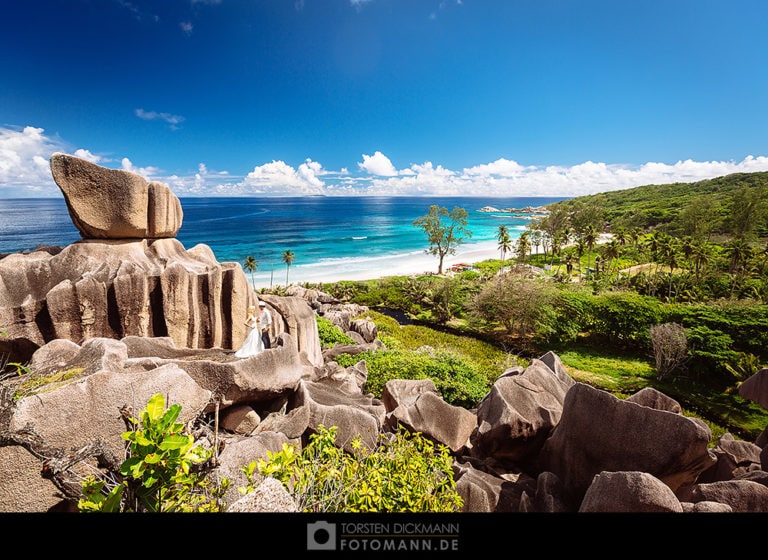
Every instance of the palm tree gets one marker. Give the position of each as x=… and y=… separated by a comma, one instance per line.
x=287, y=257
x=612, y=251
x=621, y=236
x=739, y=252
x=251, y=265
x=505, y=243
x=591, y=237
x=536, y=239
x=668, y=255
x=523, y=246
x=701, y=256
x=653, y=244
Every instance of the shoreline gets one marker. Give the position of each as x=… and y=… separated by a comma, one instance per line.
x=356, y=269
x=362, y=268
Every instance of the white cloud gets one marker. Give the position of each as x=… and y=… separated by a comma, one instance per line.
x=146, y=172
x=173, y=120
x=25, y=171
x=502, y=167
x=87, y=155
x=24, y=162
x=279, y=178
x=508, y=178
x=186, y=27
x=378, y=164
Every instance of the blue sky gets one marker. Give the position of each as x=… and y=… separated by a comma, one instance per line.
x=384, y=97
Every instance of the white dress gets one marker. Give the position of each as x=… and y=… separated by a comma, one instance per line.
x=253, y=344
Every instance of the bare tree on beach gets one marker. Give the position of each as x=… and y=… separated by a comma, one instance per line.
x=287, y=258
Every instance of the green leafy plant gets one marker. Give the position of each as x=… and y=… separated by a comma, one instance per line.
x=406, y=472
x=330, y=334
x=742, y=367
x=158, y=474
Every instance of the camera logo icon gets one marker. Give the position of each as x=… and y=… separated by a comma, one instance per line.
x=321, y=535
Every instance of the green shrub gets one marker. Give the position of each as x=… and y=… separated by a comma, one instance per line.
x=483, y=357
x=570, y=317
x=457, y=381
x=157, y=476
x=624, y=317
x=384, y=323
x=330, y=334
x=517, y=304
x=406, y=472
x=743, y=321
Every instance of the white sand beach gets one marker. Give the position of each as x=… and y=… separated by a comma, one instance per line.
x=365, y=268
x=369, y=268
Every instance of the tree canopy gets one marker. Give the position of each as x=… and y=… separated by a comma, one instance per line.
x=445, y=231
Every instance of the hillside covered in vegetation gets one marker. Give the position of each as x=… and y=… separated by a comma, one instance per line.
x=728, y=203
x=659, y=285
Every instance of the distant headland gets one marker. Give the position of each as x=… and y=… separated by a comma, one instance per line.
x=539, y=210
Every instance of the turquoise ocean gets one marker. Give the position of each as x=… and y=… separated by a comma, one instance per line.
x=328, y=235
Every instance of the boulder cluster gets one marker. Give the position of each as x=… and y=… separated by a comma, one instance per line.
x=539, y=441
x=127, y=276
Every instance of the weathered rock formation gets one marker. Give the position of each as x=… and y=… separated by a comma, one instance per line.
x=756, y=388
x=114, y=203
x=601, y=454
x=108, y=323
x=538, y=442
x=115, y=288
x=128, y=276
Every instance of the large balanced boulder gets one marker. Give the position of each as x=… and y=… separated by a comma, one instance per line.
x=629, y=492
x=114, y=203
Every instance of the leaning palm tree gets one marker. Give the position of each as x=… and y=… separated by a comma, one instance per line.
x=287, y=257
x=251, y=265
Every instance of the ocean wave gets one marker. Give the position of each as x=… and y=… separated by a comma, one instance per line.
x=330, y=261
x=229, y=217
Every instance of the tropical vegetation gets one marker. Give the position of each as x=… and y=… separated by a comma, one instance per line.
x=445, y=231
x=287, y=257
x=672, y=277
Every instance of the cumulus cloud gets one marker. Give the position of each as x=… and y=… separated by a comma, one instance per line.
x=146, y=172
x=24, y=162
x=378, y=164
x=501, y=167
x=173, y=120
x=502, y=177
x=87, y=155
x=280, y=179
x=25, y=172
